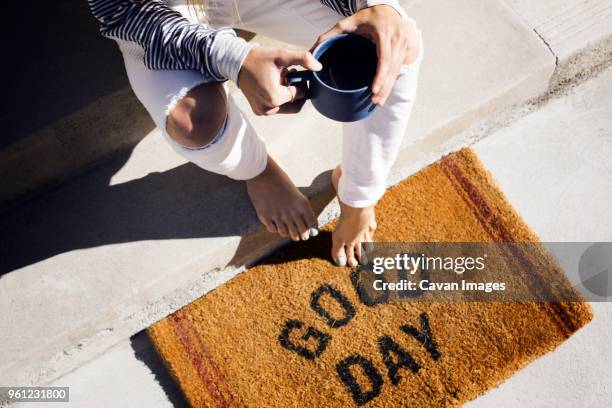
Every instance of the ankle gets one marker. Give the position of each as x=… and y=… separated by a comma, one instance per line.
x=267, y=172
x=355, y=213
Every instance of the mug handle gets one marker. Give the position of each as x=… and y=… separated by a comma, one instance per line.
x=299, y=77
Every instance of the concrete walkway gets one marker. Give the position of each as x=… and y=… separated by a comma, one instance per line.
x=568, y=26
x=555, y=167
x=101, y=258
x=578, y=32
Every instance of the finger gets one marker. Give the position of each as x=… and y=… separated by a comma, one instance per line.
x=398, y=57
x=383, y=51
x=338, y=253
x=299, y=91
x=271, y=111
x=411, y=41
x=293, y=99
x=257, y=109
x=387, y=86
x=292, y=93
x=302, y=58
x=291, y=107
x=386, y=89
x=284, y=94
x=338, y=28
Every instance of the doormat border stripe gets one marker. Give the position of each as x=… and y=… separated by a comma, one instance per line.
x=491, y=222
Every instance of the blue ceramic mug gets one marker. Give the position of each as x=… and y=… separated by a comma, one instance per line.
x=341, y=90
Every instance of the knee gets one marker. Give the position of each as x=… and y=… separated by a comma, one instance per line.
x=197, y=118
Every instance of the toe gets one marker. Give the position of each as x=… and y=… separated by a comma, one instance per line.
x=293, y=230
x=303, y=229
x=350, y=255
x=281, y=227
x=368, y=240
x=358, y=250
x=268, y=224
x=309, y=218
x=338, y=253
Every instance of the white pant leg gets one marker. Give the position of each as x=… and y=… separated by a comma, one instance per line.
x=369, y=146
x=237, y=151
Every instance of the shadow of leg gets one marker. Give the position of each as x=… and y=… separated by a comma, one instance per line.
x=251, y=251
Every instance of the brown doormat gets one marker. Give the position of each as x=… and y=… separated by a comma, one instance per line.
x=292, y=332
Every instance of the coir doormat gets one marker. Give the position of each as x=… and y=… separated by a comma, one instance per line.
x=292, y=332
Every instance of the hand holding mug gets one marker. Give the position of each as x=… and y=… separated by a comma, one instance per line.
x=262, y=82
x=395, y=39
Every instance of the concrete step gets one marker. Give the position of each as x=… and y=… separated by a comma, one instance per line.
x=112, y=251
x=76, y=112
x=59, y=129
x=110, y=125
x=70, y=105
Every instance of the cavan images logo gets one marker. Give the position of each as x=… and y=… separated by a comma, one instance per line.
x=391, y=353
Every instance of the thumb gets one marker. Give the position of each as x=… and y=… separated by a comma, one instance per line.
x=341, y=27
x=302, y=58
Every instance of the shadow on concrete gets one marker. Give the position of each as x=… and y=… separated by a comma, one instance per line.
x=183, y=202
x=315, y=248
x=56, y=63
x=145, y=352
x=58, y=68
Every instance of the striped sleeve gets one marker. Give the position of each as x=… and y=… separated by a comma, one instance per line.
x=343, y=7
x=170, y=40
x=350, y=7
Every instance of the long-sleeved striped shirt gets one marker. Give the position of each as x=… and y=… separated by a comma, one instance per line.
x=171, y=41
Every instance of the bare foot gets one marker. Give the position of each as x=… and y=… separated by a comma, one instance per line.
x=355, y=226
x=280, y=206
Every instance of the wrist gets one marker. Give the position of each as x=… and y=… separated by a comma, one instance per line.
x=230, y=55
x=252, y=60
x=362, y=4
x=244, y=67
